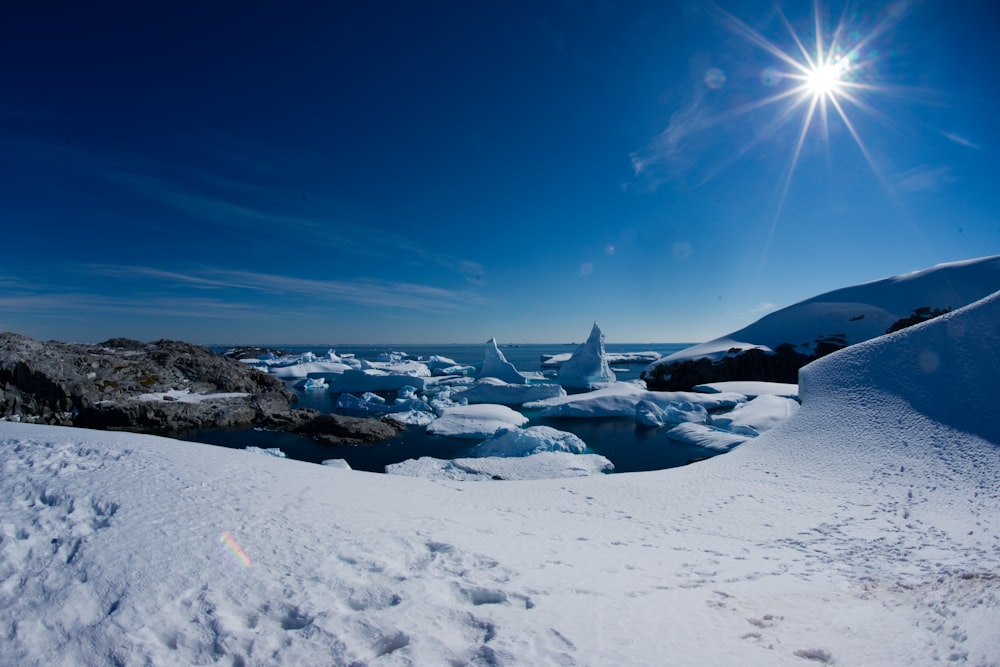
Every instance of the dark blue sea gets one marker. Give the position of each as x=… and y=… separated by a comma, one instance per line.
x=630, y=447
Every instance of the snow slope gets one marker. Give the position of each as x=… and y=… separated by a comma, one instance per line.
x=865, y=530
x=859, y=313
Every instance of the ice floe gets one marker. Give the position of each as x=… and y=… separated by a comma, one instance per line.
x=475, y=422
x=494, y=390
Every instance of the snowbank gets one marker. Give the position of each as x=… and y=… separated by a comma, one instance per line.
x=865, y=530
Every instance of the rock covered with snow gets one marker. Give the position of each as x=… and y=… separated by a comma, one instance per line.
x=495, y=365
x=774, y=347
x=588, y=367
x=494, y=390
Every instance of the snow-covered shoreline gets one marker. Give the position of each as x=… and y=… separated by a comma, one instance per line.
x=863, y=530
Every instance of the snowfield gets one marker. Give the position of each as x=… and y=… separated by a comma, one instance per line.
x=864, y=530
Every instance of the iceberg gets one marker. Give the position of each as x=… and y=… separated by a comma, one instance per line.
x=374, y=379
x=495, y=365
x=544, y=465
x=650, y=413
x=589, y=364
x=495, y=390
x=531, y=440
x=759, y=415
x=475, y=422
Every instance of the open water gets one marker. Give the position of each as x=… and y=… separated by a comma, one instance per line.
x=630, y=447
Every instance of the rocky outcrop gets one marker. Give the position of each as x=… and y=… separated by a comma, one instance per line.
x=782, y=365
x=129, y=385
x=340, y=430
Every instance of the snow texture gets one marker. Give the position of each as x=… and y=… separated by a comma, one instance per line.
x=542, y=465
x=864, y=530
x=588, y=367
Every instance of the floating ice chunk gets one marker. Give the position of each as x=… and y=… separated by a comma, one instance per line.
x=648, y=413
x=495, y=365
x=544, y=465
x=406, y=393
x=412, y=417
x=708, y=437
x=270, y=451
x=494, y=390
x=373, y=379
x=369, y=397
x=475, y=421
x=337, y=463
x=750, y=388
x=293, y=373
x=589, y=364
x=531, y=440
x=759, y=415
x=615, y=400
x=311, y=384
x=621, y=398
x=398, y=367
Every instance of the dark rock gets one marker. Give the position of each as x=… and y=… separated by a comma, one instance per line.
x=99, y=386
x=782, y=365
x=341, y=430
x=252, y=352
x=916, y=317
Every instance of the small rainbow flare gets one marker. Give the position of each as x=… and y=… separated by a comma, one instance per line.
x=228, y=540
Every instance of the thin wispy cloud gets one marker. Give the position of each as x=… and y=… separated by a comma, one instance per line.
x=925, y=178
x=250, y=206
x=961, y=141
x=366, y=292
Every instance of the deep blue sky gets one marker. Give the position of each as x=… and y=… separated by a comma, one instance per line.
x=450, y=171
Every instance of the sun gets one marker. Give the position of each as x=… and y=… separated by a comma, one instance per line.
x=825, y=80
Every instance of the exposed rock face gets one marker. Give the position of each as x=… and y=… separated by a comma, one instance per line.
x=782, y=365
x=99, y=386
x=341, y=430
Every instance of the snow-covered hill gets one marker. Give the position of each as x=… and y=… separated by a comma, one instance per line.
x=853, y=314
x=865, y=530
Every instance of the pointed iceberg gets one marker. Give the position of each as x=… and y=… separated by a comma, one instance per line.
x=589, y=364
x=495, y=365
